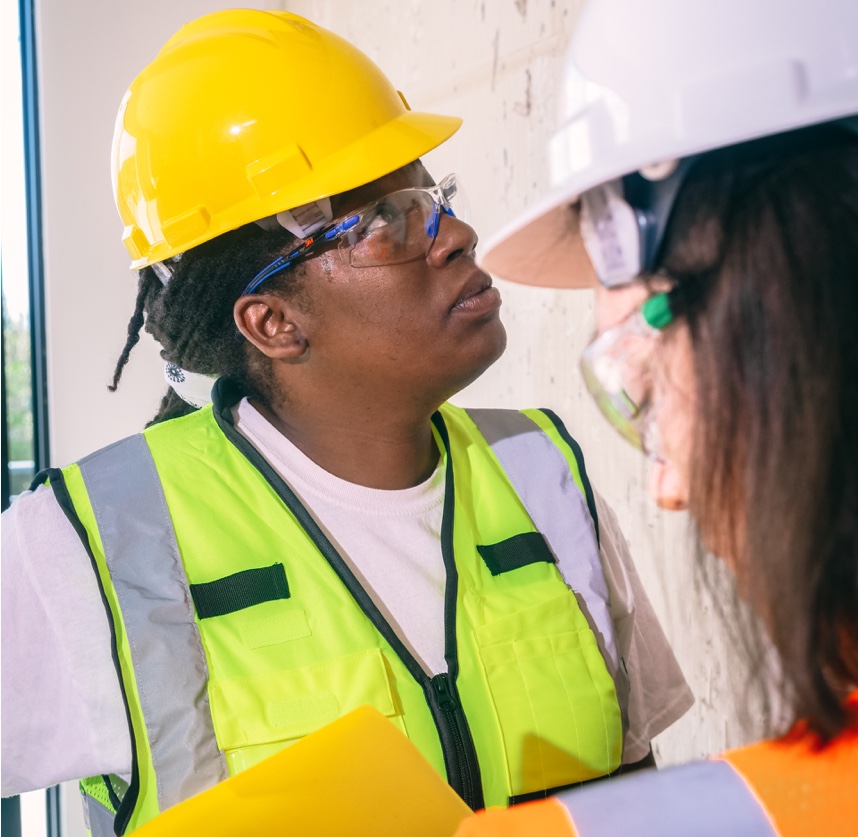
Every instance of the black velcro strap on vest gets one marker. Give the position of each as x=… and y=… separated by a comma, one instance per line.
x=517, y=551
x=241, y=590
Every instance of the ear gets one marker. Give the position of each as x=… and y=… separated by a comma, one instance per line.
x=271, y=323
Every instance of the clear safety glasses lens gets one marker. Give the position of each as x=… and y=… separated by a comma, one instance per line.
x=402, y=226
x=617, y=369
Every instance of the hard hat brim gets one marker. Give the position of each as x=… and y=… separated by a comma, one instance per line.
x=391, y=146
x=543, y=247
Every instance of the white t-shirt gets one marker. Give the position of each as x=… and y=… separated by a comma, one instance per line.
x=62, y=711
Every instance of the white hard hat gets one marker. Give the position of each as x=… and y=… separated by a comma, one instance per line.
x=649, y=82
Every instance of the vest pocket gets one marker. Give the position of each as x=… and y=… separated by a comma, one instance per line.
x=554, y=698
x=254, y=717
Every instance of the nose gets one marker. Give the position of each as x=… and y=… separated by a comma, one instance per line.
x=455, y=238
x=667, y=487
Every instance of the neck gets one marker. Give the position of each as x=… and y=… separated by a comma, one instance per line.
x=380, y=448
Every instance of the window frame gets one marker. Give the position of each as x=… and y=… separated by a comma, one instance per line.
x=11, y=806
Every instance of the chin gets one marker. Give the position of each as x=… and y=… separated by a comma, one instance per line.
x=491, y=347
x=495, y=346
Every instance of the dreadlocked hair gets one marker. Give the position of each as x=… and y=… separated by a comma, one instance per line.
x=191, y=316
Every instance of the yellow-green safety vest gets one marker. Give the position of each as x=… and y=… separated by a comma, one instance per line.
x=238, y=628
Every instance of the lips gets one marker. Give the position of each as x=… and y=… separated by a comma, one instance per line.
x=477, y=294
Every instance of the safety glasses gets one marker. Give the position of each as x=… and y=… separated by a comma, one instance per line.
x=398, y=228
x=623, y=222
x=618, y=370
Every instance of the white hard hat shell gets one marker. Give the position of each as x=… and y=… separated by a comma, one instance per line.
x=646, y=82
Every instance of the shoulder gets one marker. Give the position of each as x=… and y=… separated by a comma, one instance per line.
x=703, y=798
x=502, y=426
x=54, y=628
x=614, y=548
x=490, y=417
x=798, y=757
x=31, y=511
x=38, y=536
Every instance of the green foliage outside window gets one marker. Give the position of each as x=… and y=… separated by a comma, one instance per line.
x=19, y=398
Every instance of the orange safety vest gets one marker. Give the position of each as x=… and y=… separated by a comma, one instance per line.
x=788, y=787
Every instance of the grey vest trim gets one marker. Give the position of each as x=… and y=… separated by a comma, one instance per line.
x=707, y=799
x=150, y=583
x=97, y=819
x=541, y=476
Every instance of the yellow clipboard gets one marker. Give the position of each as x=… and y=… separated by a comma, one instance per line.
x=357, y=776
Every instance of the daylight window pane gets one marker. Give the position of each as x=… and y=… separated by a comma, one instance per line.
x=17, y=344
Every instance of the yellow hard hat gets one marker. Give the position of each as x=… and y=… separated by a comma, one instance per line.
x=247, y=113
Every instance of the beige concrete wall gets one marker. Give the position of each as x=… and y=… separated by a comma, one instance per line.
x=495, y=62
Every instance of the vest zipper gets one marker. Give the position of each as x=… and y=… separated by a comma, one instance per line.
x=463, y=769
x=442, y=696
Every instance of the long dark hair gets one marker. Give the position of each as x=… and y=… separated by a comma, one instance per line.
x=192, y=316
x=764, y=244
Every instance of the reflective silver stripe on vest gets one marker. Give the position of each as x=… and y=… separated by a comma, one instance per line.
x=169, y=662
x=706, y=799
x=97, y=819
x=540, y=475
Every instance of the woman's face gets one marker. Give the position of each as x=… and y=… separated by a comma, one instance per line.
x=673, y=416
x=673, y=400
x=431, y=324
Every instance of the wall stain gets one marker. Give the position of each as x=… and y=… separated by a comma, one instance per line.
x=524, y=108
x=495, y=57
x=521, y=5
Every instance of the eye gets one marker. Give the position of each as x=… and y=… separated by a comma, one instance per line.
x=375, y=224
x=382, y=215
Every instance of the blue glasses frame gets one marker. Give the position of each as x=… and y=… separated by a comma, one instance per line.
x=338, y=228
